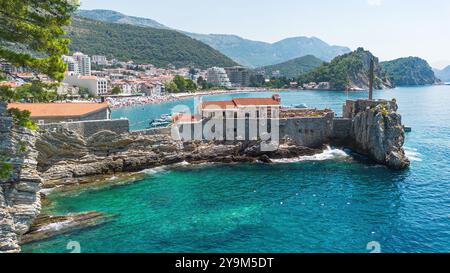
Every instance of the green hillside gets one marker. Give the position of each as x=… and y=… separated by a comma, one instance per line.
x=409, y=71
x=142, y=45
x=349, y=71
x=292, y=68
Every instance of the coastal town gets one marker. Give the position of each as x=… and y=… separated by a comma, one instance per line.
x=122, y=84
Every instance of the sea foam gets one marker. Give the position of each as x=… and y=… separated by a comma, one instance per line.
x=55, y=226
x=412, y=154
x=328, y=154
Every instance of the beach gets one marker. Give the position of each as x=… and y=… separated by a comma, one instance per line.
x=121, y=102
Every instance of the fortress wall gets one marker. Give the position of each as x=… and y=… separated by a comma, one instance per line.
x=309, y=132
x=341, y=129
x=88, y=128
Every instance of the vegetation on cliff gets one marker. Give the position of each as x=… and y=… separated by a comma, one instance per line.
x=349, y=71
x=293, y=68
x=409, y=71
x=161, y=47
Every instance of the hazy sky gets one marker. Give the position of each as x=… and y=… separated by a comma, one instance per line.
x=389, y=28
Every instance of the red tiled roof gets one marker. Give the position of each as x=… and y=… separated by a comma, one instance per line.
x=8, y=84
x=88, y=77
x=218, y=104
x=274, y=100
x=58, y=109
x=185, y=118
x=255, y=101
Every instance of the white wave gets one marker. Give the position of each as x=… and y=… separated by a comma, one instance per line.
x=154, y=170
x=412, y=154
x=55, y=226
x=184, y=163
x=50, y=190
x=327, y=154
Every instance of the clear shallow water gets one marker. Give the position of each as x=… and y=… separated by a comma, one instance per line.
x=327, y=203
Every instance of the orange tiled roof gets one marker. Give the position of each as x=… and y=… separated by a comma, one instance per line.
x=218, y=104
x=88, y=77
x=274, y=100
x=25, y=74
x=185, y=118
x=8, y=84
x=255, y=101
x=59, y=109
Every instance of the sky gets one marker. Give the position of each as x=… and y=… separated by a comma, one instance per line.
x=388, y=28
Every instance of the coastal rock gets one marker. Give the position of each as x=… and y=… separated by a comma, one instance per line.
x=377, y=131
x=63, y=162
x=19, y=193
x=47, y=226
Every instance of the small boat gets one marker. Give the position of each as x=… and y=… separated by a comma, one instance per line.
x=407, y=129
x=166, y=117
x=159, y=123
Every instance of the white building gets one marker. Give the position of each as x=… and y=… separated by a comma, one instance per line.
x=218, y=77
x=79, y=64
x=99, y=59
x=96, y=86
x=154, y=89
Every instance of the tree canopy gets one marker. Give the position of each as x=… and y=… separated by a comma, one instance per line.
x=32, y=35
x=180, y=84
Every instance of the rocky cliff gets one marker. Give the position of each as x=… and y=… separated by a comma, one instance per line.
x=65, y=156
x=377, y=131
x=19, y=197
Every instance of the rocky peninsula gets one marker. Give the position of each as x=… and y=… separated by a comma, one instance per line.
x=60, y=157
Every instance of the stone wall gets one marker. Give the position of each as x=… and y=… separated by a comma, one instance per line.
x=19, y=198
x=309, y=132
x=89, y=128
x=341, y=129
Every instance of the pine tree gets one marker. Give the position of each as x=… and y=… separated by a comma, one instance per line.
x=32, y=35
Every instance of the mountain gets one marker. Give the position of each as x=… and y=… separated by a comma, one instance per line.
x=409, y=71
x=160, y=47
x=292, y=68
x=111, y=16
x=246, y=52
x=444, y=74
x=257, y=54
x=350, y=70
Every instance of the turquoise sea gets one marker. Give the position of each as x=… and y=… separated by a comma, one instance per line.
x=331, y=202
